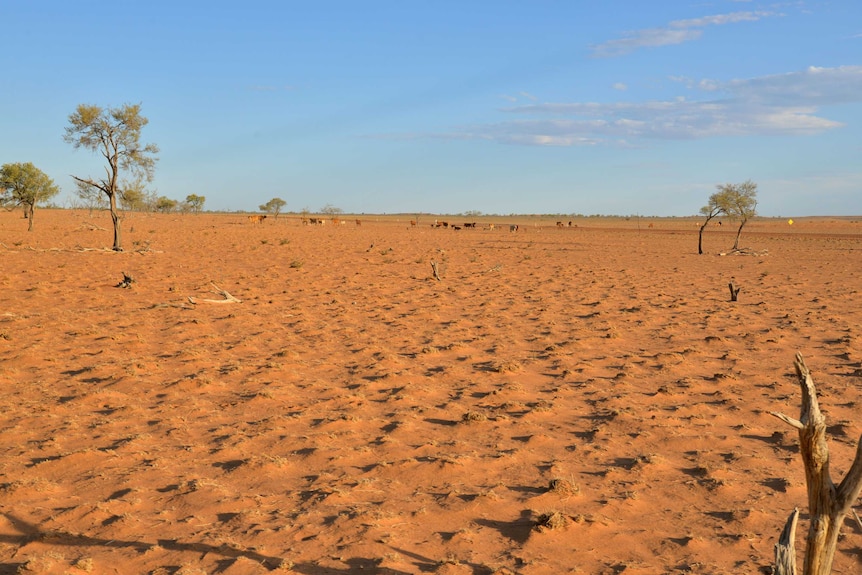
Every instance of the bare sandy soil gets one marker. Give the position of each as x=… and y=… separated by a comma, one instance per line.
x=576, y=400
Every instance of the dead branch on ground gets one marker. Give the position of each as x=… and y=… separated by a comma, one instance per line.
x=745, y=252
x=228, y=298
x=435, y=270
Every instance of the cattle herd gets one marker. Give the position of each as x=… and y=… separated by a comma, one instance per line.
x=319, y=221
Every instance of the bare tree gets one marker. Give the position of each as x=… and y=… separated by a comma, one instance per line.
x=114, y=133
x=331, y=210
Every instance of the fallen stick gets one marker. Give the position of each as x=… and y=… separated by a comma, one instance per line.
x=227, y=297
x=434, y=269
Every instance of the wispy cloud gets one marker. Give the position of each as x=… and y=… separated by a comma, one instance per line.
x=783, y=104
x=524, y=95
x=676, y=32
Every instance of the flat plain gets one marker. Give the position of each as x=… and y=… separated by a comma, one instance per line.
x=576, y=399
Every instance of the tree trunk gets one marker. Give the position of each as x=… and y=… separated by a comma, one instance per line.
x=738, y=233
x=827, y=504
x=30, y=211
x=115, y=216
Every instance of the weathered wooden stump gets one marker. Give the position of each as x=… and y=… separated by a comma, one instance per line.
x=827, y=503
x=734, y=290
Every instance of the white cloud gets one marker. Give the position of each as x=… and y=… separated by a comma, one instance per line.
x=649, y=38
x=782, y=104
x=813, y=86
x=620, y=86
x=526, y=95
x=676, y=32
x=719, y=19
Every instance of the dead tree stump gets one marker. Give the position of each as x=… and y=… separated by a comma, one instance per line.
x=827, y=503
x=127, y=281
x=734, y=290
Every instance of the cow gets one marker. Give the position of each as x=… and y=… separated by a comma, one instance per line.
x=358, y=223
x=470, y=225
x=257, y=219
x=559, y=224
x=412, y=223
x=513, y=228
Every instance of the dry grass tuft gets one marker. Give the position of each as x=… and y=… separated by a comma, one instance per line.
x=550, y=521
x=563, y=487
x=474, y=417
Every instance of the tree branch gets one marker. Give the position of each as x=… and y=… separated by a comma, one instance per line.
x=785, y=549
x=228, y=298
x=789, y=420
x=851, y=486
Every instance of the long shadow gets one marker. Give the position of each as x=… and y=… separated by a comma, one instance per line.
x=29, y=532
x=428, y=565
x=518, y=531
x=775, y=440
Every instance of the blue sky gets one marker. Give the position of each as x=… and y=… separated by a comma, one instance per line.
x=504, y=106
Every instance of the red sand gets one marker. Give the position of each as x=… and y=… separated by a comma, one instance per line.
x=353, y=415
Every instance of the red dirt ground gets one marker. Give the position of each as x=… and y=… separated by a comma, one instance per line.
x=351, y=414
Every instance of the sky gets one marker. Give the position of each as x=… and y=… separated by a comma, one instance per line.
x=616, y=107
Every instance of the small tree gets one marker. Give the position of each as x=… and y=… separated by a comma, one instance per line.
x=195, y=202
x=25, y=185
x=273, y=206
x=166, y=204
x=711, y=210
x=133, y=200
x=115, y=133
x=91, y=198
x=738, y=201
x=134, y=195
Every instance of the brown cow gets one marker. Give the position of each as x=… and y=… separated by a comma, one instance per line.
x=256, y=219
